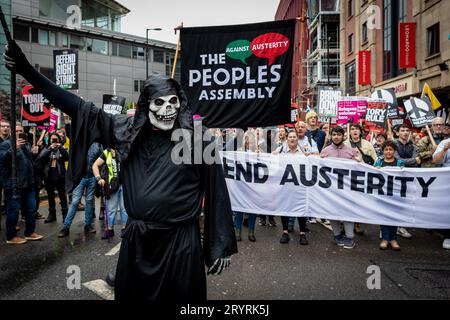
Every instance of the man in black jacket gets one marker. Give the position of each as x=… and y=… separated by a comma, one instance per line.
x=25, y=181
x=5, y=131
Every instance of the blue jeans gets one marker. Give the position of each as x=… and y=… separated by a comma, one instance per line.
x=77, y=194
x=291, y=221
x=239, y=217
x=388, y=233
x=114, y=204
x=26, y=202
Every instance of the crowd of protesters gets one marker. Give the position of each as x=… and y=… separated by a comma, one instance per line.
x=400, y=146
x=41, y=164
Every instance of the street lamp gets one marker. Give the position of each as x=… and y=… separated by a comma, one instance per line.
x=146, y=49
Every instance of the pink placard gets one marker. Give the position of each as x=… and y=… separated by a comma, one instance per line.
x=362, y=108
x=53, y=121
x=347, y=112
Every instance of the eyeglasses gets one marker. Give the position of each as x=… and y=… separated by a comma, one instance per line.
x=5, y=126
x=438, y=124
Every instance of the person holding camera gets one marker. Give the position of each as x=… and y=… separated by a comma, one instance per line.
x=25, y=182
x=52, y=170
x=112, y=189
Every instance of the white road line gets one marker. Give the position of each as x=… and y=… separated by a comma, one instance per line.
x=114, y=250
x=100, y=288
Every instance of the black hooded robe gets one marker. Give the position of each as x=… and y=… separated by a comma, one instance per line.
x=161, y=255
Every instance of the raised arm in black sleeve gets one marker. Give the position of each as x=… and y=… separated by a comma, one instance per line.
x=60, y=98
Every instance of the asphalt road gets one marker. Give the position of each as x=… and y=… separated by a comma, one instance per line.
x=263, y=270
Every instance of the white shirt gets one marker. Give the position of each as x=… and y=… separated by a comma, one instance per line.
x=446, y=161
x=307, y=147
x=285, y=149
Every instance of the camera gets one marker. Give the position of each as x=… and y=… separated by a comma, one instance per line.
x=23, y=136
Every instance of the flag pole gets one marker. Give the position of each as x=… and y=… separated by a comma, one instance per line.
x=177, y=52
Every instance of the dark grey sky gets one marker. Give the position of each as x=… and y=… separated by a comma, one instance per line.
x=167, y=14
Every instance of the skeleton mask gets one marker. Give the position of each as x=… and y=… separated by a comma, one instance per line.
x=164, y=111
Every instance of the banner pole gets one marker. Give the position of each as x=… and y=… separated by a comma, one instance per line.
x=390, y=133
x=177, y=52
x=34, y=136
x=431, y=136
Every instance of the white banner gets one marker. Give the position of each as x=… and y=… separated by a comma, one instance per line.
x=337, y=189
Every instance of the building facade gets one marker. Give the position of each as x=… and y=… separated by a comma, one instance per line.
x=323, y=61
x=297, y=9
x=373, y=25
x=108, y=59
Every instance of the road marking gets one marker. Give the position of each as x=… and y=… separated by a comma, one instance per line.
x=114, y=250
x=100, y=288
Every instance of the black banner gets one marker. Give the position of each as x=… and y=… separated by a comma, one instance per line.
x=65, y=64
x=390, y=97
x=113, y=104
x=36, y=108
x=239, y=76
x=420, y=111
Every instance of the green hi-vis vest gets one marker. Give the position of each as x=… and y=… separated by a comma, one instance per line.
x=111, y=164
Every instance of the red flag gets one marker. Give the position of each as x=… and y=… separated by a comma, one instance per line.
x=407, y=45
x=364, y=67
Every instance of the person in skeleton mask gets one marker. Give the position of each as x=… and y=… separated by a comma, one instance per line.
x=161, y=255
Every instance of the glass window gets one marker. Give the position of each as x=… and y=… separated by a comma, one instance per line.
x=330, y=65
x=365, y=33
x=64, y=40
x=350, y=78
x=97, y=14
x=329, y=5
x=350, y=8
x=330, y=35
x=121, y=50
x=124, y=50
x=52, y=38
x=116, y=23
x=77, y=42
x=402, y=14
x=43, y=37
x=34, y=35
x=56, y=9
x=169, y=63
x=138, y=53
x=433, y=44
x=158, y=56
x=97, y=46
x=21, y=32
x=350, y=43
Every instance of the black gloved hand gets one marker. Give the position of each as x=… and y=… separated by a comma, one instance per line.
x=15, y=59
x=219, y=265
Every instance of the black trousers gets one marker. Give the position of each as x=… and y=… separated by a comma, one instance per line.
x=301, y=223
x=58, y=185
